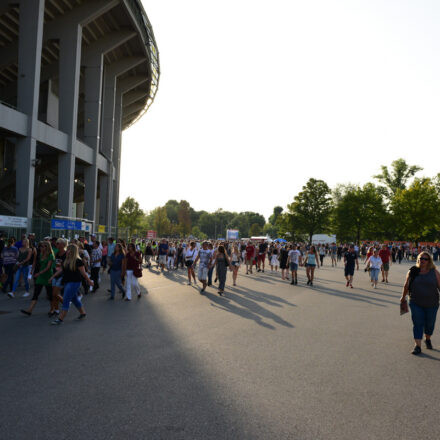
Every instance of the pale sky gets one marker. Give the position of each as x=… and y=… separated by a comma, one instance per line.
x=256, y=97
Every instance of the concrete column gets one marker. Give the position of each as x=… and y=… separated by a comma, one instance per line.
x=93, y=77
x=103, y=200
x=28, y=90
x=117, y=133
x=70, y=59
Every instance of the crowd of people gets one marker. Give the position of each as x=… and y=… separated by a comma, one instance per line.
x=69, y=270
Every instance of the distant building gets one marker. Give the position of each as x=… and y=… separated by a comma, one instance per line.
x=73, y=75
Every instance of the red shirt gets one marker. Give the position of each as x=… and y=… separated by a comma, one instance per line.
x=385, y=254
x=250, y=251
x=133, y=261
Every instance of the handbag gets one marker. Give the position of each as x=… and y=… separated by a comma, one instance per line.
x=137, y=272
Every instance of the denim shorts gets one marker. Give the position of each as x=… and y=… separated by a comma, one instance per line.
x=57, y=282
x=293, y=266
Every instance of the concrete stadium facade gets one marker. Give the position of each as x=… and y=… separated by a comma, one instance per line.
x=73, y=75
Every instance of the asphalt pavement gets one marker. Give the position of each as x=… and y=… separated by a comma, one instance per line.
x=267, y=361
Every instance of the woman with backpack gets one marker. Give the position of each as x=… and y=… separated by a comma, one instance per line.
x=422, y=284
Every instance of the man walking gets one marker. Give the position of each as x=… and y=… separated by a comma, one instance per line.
x=350, y=260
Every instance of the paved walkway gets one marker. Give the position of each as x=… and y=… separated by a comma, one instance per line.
x=267, y=361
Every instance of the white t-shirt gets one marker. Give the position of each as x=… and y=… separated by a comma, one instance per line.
x=191, y=254
x=375, y=262
x=294, y=256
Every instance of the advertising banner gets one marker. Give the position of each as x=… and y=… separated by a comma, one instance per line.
x=67, y=225
x=232, y=234
x=7, y=221
x=151, y=234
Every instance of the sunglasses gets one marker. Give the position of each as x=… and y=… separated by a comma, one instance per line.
x=424, y=259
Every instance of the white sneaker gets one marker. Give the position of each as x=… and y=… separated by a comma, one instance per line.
x=11, y=295
x=25, y=295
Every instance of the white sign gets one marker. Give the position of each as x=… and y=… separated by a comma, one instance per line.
x=7, y=221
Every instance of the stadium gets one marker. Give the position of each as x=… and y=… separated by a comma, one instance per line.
x=73, y=75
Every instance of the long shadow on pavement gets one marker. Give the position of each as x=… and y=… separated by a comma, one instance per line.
x=120, y=374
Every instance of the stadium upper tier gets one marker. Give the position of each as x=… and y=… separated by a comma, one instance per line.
x=73, y=75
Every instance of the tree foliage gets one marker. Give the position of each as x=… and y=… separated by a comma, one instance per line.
x=397, y=177
x=130, y=215
x=416, y=210
x=359, y=213
x=310, y=212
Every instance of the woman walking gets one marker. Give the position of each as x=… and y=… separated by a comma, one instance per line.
x=57, y=281
x=190, y=256
x=23, y=266
x=284, y=256
x=312, y=260
x=134, y=263
x=222, y=263
x=118, y=267
x=72, y=271
x=422, y=283
x=235, y=263
x=274, y=262
x=9, y=257
x=374, y=263
x=42, y=272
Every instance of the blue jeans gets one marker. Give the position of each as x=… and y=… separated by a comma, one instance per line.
x=115, y=280
x=25, y=271
x=71, y=294
x=9, y=271
x=210, y=275
x=374, y=273
x=423, y=319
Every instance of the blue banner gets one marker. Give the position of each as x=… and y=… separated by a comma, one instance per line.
x=69, y=225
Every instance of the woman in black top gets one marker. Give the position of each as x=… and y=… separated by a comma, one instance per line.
x=423, y=284
x=284, y=255
x=73, y=272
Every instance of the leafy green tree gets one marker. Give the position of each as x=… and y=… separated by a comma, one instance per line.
x=416, y=210
x=130, y=215
x=184, y=218
x=255, y=230
x=172, y=208
x=311, y=209
x=160, y=221
x=397, y=177
x=359, y=213
x=271, y=230
x=276, y=213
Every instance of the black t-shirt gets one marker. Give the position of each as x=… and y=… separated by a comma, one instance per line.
x=262, y=248
x=72, y=276
x=59, y=261
x=350, y=258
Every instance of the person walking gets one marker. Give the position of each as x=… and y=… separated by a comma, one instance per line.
x=350, y=260
x=190, y=256
x=205, y=256
x=23, y=266
x=274, y=260
x=72, y=271
x=57, y=281
x=95, y=263
x=235, y=263
x=250, y=254
x=222, y=263
x=294, y=260
x=312, y=260
x=374, y=263
x=322, y=251
x=385, y=254
x=422, y=284
x=134, y=262
x=284, y=256
x=118, y=267
x=42, y=272
x=9, y=256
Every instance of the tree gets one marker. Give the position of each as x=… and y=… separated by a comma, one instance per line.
x=397, y=178
x=172, y=207
x=310, y=211
x=160, y=221
x=271, y=230
x=255, y=230
x=416, y=209
x=130, y=215
x=184, y=218
x=276, y=213
x=359, y=213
